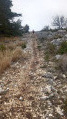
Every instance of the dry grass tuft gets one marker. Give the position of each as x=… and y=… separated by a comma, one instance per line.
x=11, y=46
x=5, y=60
x=8, y=39
x=10, y=51
x=9, y=56
x=17, y=53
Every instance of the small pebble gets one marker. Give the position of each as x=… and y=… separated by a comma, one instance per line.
x=21, y=98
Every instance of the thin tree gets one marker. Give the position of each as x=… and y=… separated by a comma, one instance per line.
x=59, y=22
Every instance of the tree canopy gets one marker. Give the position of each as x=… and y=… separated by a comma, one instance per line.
x=46, y=28
x=7, y=24
x=26, y=28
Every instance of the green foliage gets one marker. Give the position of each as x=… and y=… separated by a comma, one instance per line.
x=16, y=28
x=65, y=106
x=50, y=51
x=2, y=47
x=23, y=45
x=51, y=48
x=26, y=28
x=47, y=57
x=53, y=30
x=46, y=28
x=8, y=27
x=39, y=47
x=57, y=36
x=63, y=48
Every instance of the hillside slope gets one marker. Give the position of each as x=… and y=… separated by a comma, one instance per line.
x=32, y=88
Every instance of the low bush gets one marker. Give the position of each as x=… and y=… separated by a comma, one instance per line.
x=63, y=48
x=50, y=51
x=2, y=47
x=51, y=48
x=65, y=107
x=23, y=45
x=47, y=56
x=39, y=47
x=57, y=36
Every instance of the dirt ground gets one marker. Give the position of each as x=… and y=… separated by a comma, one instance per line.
x=24, y=84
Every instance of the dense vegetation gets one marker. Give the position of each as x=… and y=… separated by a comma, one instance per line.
x=8, y=26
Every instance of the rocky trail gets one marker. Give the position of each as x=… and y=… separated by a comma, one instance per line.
x=28, y=91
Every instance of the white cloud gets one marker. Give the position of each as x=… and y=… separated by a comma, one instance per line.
x=38, y=13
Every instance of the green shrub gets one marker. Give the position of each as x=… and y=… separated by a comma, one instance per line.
x=39, y=47
x=47, y=57
x=63, y=48
x=65, y=106
x=23, y=45
x=51, y=48
x=50, y=51
x=2, y=47
x=57, y=36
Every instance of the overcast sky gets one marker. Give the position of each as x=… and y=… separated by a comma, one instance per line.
x=38, y=13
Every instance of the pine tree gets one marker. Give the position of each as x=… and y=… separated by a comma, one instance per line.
x=26, y=28
x=7, y=25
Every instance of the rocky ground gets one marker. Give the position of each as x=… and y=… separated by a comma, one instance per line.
x=32, y=88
